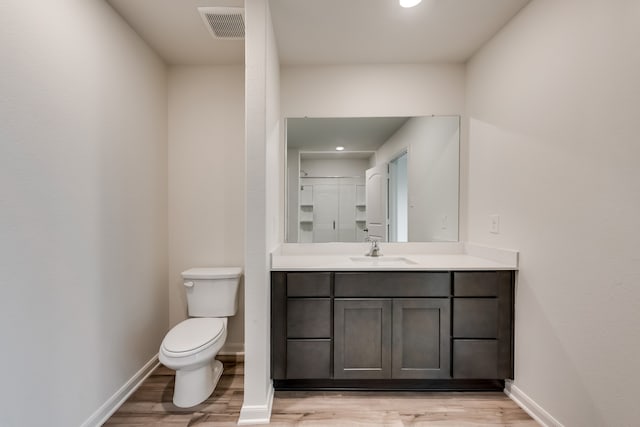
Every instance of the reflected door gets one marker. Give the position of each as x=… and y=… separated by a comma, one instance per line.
x=347, y=215
x=377, y=179
x=325, y=213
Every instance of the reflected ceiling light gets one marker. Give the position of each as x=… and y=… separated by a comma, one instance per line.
x=409, y=3
x=339, y=148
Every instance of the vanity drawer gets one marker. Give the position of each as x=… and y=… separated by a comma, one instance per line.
x=309, y=318
x=475, y=317
x=392, y=284
x=476, y=359
x=309, y=284
x=475, y=284
x=308, y=359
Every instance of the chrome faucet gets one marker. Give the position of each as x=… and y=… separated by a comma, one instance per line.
x=374, y=251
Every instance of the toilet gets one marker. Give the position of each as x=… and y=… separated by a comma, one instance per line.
x=191, y=346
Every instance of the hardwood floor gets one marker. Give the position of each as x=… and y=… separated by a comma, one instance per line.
x=151, y=405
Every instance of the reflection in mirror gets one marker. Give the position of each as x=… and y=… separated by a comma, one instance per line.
x=390, y=178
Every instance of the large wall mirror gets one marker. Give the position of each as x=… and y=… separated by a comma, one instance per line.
x=394, y=179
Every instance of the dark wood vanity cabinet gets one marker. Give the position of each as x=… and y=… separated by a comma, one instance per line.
x=391, y=325
x=429, y=330
x=391, y=338
x=483, y=324
x=301, y=325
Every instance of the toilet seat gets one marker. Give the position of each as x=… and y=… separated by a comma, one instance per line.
x=192, y=336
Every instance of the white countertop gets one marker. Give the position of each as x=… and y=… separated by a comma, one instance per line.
x=397, y=257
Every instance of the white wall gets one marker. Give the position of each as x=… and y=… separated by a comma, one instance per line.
x=206, y=180
x=335, y=167
x=264, y=204
x=553, y=104
x=83, y=217
x=372, y=90
x=432, y=144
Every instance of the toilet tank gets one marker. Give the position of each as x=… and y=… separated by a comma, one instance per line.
x=212, y=292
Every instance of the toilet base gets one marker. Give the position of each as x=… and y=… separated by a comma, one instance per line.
x=195, y=386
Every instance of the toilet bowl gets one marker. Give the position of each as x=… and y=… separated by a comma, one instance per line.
x=190, y=347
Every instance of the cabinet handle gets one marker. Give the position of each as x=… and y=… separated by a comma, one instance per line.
x=334, y=224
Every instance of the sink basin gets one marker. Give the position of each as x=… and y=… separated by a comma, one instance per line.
x=382, y=260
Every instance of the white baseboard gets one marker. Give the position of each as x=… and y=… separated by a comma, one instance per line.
x=232, y=349
x=530, y=406
x=119, y=397
x=257, y=414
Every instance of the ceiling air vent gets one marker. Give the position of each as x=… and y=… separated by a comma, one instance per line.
x=224, y=22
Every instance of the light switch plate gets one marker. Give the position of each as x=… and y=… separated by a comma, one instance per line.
x=494, y=224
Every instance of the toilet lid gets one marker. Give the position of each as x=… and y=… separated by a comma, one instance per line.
x=212, y=273
x=193, y=334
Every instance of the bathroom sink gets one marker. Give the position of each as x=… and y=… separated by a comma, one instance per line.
x=382, y=260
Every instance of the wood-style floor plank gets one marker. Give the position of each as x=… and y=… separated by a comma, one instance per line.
x=151, y=405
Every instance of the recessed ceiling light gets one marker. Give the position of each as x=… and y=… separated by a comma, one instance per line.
x=409, y=3
x=340, y=148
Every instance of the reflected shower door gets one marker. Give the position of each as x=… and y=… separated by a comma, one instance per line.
x=325, y=213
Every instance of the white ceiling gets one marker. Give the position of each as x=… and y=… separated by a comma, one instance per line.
x=175, y=30
x=327, y=31
x=380, y=31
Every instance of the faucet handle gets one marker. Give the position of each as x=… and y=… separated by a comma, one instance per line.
x=375, y=248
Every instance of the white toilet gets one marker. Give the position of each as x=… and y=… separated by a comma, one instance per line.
x=190, y=347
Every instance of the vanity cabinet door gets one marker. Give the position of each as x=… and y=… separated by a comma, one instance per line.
x=362, y=338
x=421, y=340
